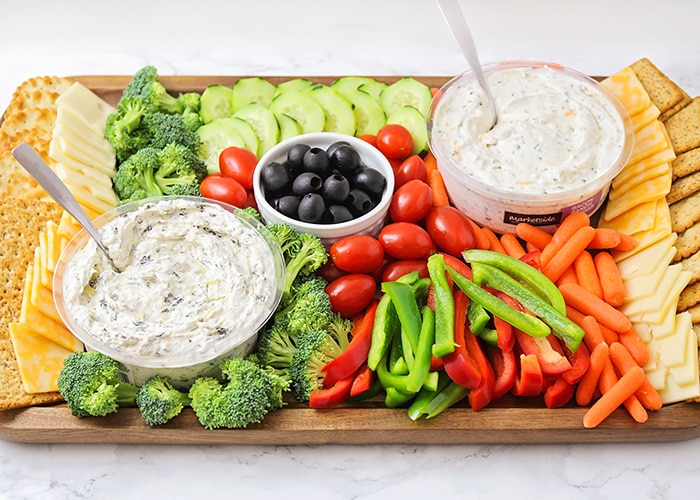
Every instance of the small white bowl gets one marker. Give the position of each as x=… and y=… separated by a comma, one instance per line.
x=184, y=362
x=370, y=223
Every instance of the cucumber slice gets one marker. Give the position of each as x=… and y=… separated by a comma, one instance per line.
x=415, y=123
x=250, y=138
x=406, y=92
x=288, y=127
x=345, y=83
x=301, y=107
x=263, y=121
x=249, y=90
x=214, y=137
x=216, y=102
x=294, y=84
x=373, y=88
x=340, y=117
x=369, y=114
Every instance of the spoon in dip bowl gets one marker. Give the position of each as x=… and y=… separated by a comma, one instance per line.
x=460, y=31
x=37, y=167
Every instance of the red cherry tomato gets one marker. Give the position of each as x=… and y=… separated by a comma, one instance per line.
x=351, y=294
x=405, y=240
x=450, y=229
x=359, y=253
x=238, y=163
x=411, y=202
x=411, y=168
x=370, y=139
x=394, y=141
x=329, y=271
x=226, y=189
x=402, y=267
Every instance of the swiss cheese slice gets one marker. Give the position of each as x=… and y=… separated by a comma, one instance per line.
x=637, y=264
x=86, y=105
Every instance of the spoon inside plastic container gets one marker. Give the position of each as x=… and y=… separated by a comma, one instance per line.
x=460, y=31
x=37, y=167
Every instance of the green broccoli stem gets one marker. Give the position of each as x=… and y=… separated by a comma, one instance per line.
x=126, y=394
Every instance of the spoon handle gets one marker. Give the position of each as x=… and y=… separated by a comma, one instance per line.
x=457, y=22
x=37, y=167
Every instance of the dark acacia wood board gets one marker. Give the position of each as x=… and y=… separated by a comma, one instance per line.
x=507, y=421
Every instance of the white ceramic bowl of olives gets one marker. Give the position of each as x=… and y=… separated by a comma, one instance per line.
x=331, y=185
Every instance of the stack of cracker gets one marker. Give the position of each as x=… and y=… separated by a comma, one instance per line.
x=64, y=122
x=637, y=205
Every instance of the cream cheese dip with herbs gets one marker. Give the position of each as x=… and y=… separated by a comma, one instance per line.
x=554, y=132
x=193, y=276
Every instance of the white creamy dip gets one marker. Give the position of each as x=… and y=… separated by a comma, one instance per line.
x=194, y=276
x=554, y=132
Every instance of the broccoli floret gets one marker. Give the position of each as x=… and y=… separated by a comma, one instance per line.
x=276, y=348
x=89, y=383
x=308, y=306
x=159, y=401
x=253, y=213
x=248, y=393
x=156, y=172
x=191, y=102
x=303, y=253
x=315, y=349
x=165, y=129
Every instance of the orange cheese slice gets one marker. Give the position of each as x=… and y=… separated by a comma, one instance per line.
x=644, y=176
x=629, y=90
x=652, y=189
x=649, y=141
x=39, y=360
x=637, y=219
x=629, y=175
x=645, y=117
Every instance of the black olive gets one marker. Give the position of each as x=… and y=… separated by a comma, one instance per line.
x=295, y=158
x=345, y=159
x=369, y=180
x=331, y=149
x=359, y=202
x=306, y=182
x=335, y=189
x=335, y=214
x=311, y=208
x=287, y=205
x=275, y=178
x=316, y=160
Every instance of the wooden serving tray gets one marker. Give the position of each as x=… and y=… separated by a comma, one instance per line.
x=509, y=420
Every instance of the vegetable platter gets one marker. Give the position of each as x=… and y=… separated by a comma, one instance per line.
x=506, y=420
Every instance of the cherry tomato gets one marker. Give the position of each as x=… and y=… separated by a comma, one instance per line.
x=329, y=271
x=450, y=230
x=394, y=141
x=405, y=240
x=351, y=294
x=370, y=139
x=402, y=267
x=411, y=168
x=226, y=189
x=359, y=253
x=238, y=163
x=411, y=202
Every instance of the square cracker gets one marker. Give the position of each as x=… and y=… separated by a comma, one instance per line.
x=20, y=223
x=683, y=187
x=688, y=242
x=685, y=213
x=664, y=93
x=684, y=128
x=686, y=163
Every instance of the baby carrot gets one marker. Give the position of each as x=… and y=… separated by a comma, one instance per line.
x=512, y=246
x=587, y=274
x=594, y=335
x=610, y=279
x=533, y=235
x=494, y=243
x=604, y=238
x=437, y=184
x=614, y=397
x=627, y=243
x=587, y=385
x=563, y=233
x=567, y=253
x=430, y=161
x=634, y=345
x=481, y=240
x=568, y=276
x=601, y=333
x=579, y=298
x=623, y=361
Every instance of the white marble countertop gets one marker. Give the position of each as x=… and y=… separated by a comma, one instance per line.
x=372, y=37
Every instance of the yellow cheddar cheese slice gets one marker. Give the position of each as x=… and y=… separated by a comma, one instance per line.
x=648, y=141
x=652, y=189
x=69, y=227
x=55, y=245
x=40, y=296
x=636, y=220
x=45, y=274
x=39, y=360
x=645, y=117
x=629, y=90
x=646, y=175
x=628, y=175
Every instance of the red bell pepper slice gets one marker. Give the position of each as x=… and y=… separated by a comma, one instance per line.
x=436, y=364
x=356, y=352
x=482, y=395
x=362, y=381
x=457, y=264
x=558, y=394
x=533, y=258
x=504, y=368
x=506, y=337
x=551, y=360
x=580, y=361
x=528, y=381
x=332, y=396
x=459, y=364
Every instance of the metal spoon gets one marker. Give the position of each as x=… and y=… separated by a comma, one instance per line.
x=460, y=31
x=37, y=167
